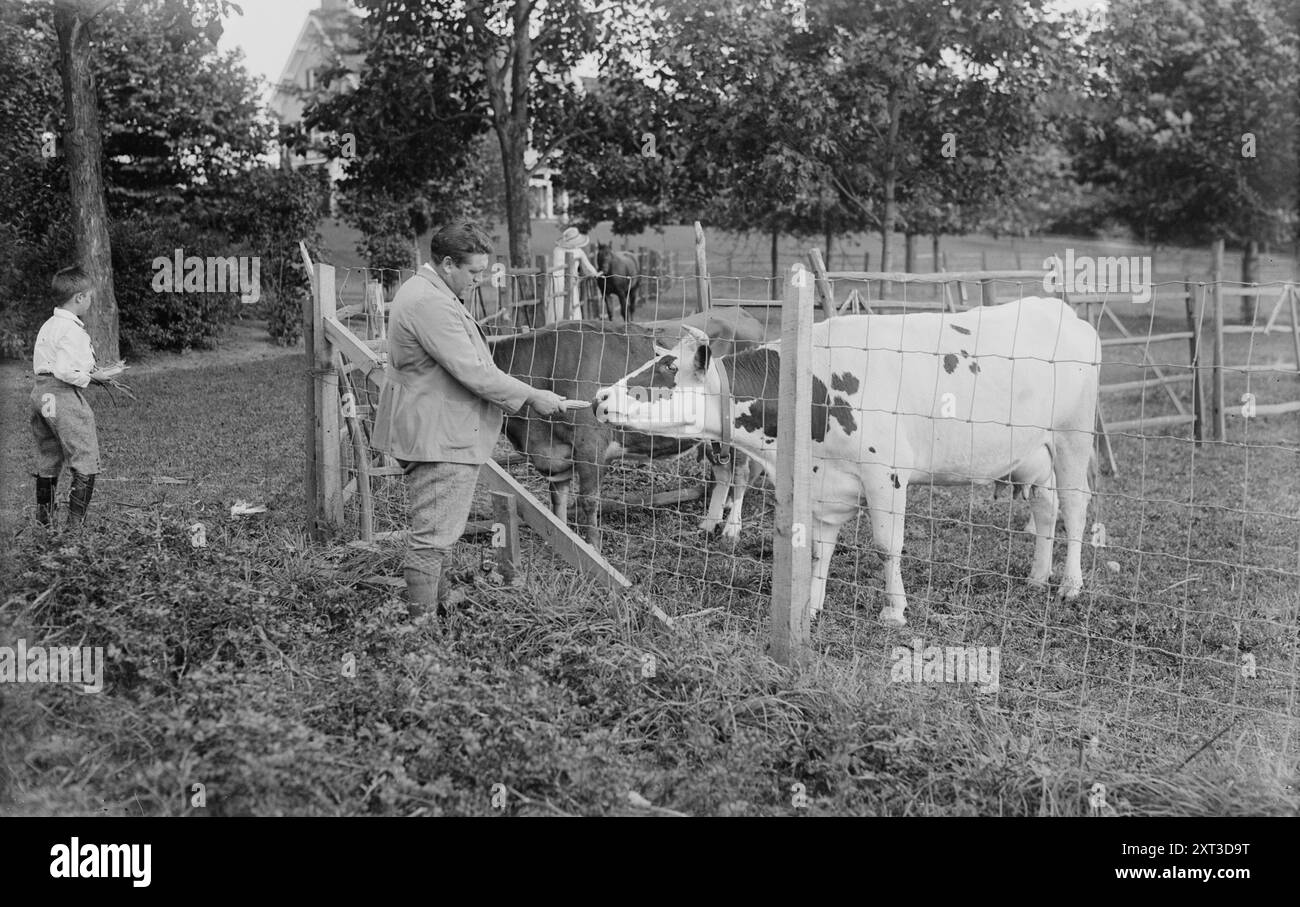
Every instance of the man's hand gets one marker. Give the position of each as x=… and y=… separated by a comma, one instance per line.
x=545, y=403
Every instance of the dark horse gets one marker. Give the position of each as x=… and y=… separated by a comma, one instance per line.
x=618, y=278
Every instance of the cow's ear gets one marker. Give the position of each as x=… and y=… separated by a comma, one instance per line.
x=702, y=354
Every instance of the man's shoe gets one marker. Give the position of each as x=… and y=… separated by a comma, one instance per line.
x=421, y=589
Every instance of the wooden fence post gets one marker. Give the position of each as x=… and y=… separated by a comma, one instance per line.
x=506, y=514
x=360, y=451
x=570, y=285
x=544, y=288
x=792, y=535
x=702, y=270
x=311, y=326
x=988, y=296
x=1218, y=428
x=824, y=289
x=376, y=312
x=1195, y=305
x=328, y=509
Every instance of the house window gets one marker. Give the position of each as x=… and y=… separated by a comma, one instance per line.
x=309, y=79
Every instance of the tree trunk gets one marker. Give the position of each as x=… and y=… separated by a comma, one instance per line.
x=934, y=252
x=887, y=226
x=776, y=265
x=886, y=234
x=518, y=225
x=84, y=149
x=890, y=185
x=1249, y=274
x=909, y=253
x=508, y=94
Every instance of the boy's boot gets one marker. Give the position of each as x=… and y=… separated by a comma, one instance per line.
x=45, y=499
x=83, y=486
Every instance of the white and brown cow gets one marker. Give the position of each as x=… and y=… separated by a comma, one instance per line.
x=1002, y=393
x=575, y=359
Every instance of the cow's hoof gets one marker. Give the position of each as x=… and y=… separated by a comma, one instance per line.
x=891, y=618
x=731, y=531
x=708, y=526
x=1071, y=586
x=1039, y=582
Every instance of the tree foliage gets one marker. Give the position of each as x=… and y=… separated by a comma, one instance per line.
x=437, y=76
x=1195, y=127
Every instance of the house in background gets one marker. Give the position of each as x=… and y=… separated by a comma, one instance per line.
x=314, y=53
x=545, y=202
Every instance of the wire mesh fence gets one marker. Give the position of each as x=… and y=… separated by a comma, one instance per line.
x=1186, y=631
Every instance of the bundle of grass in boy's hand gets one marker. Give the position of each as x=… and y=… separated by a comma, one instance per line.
x=107, y=376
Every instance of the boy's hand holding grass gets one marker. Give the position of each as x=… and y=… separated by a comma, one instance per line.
x=106, y=373
x=107, y=376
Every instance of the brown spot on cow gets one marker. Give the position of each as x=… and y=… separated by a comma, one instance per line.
x=845, y=382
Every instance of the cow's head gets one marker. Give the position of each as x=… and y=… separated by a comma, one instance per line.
x=677, y=393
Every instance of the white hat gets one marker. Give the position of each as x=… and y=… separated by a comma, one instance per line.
x=572, y=239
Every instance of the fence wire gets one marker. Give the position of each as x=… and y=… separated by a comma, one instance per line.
x=1187, y=626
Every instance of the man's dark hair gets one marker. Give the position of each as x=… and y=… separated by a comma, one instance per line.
x=459, y=240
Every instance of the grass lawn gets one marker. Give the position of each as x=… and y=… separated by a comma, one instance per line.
x=286, y=678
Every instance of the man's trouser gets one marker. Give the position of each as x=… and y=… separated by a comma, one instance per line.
x=441, y=495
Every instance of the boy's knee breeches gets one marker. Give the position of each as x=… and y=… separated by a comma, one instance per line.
x=64, y=427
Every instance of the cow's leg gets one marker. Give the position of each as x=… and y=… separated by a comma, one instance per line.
x=1042, y=523
x=1073, y=451
x=745, y=472
x=588, y=463
x=824, y=536
x=888, y=506
x=722, y=478
x=560, y=497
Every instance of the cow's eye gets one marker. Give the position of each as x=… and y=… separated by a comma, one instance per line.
x=670, y=367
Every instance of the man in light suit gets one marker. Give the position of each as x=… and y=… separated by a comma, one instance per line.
x=440, y=411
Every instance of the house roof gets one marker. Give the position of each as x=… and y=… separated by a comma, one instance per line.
x=312, y=36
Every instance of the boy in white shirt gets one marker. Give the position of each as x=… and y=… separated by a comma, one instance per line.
x=61, y=419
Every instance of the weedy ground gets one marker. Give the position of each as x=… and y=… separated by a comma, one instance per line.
x=287, y=678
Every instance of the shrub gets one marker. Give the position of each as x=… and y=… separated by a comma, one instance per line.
x=164, y=321
x=271, y=211
x=147, y=319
